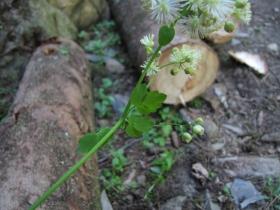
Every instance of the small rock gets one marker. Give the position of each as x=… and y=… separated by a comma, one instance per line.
x=235, y=42
x=119, y=103
x=255, y=167
x=114, y=66
x=275, y=136
x=105, y=202
x=217, y=146
x=175, y=139
x=211, y=130
x=235, y=129
x=273, y=48
x=174, y=203
x=141, y=179
x=278, y=98
x=276, y=9
x=244, y=192
x=184, y=116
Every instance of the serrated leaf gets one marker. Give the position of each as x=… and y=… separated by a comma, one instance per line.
x=132, y=132
x=134, y=119
x=156, y=169
x=165, y=35
x=138, y=94
x=144, y=125
x=145, y=110
x=87, y=142
x=154, y=99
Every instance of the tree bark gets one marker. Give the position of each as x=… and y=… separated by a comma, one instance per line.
x=134, y=23
x=51, y=111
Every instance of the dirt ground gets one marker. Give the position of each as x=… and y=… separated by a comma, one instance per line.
x=247, y=129
x=249, y=111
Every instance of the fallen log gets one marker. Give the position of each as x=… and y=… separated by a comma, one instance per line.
x=134, y=23
x=51, y=111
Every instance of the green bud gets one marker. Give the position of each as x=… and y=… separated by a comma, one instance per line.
x=149, y=50
x=175, y=50
x=174, y=71
x=240, y=4
x=159, y=54
x=186, y=137
x=199, y=121
x=189, y=58
x=198, y=129
x=229, y=27
x=189, y=70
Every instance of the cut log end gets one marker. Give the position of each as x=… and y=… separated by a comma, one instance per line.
x=183, y=88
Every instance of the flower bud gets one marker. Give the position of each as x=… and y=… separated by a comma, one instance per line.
x=198, y=129
x=186, y=137
x=149, y=50
x=240, y=3
x=229, y=27
x=199, y=121
x=159, y=54
x=189, y=70
x=174, y=71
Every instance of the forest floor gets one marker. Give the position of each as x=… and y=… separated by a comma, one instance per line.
x=234, y=165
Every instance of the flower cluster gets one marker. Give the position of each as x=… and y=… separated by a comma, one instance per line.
x=203, y=16
x=148, y=42
x=153, y=69
x=185, y=55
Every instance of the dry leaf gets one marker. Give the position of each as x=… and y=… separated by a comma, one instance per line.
x=254, y=61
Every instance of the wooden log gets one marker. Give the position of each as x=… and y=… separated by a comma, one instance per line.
x=134, y=23
x=52, y=109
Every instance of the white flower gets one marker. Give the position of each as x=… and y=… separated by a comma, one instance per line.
x=218, y=8
x=194, y=5
x=166, y=11
x=192, y=27
x=148, y=40
x=153, y=69
x=243, y=14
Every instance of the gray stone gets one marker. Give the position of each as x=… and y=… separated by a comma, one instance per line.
x=235, y=129
x=141, y=179
x=173, y=203
x=244, y=192
x=273, y=48
x=114, y=66
x=275, y=136
x=211, y=130
x=276, y=9
x=235, y=42
x=185, y=116
x=105, y=202
x=253, y=167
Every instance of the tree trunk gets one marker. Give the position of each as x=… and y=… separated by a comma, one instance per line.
x=134, y=23
x=51, y=111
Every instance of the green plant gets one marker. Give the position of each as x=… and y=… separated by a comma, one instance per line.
x=103, y=106
x=160, y=167
x=205, y=18
x=272, y=191
x=196, y=103
x=63, y=52
x=112, y=179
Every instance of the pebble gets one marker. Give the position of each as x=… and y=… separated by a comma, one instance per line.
x=273, y=48
x=276, y=9
x=105, y=202
x=141, y=179
x=271, y=137
x=114, y=66
x=210, y=129
x=235, y=42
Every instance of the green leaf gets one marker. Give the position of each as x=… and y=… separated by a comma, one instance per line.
x=87, y=142
x=145, y=110
x=138, y=94
x=154, y=99
x=64, y=52
x=134, y=119
x=166, y=34
x=144, y=125
x=132, y=132
x=156, y=169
